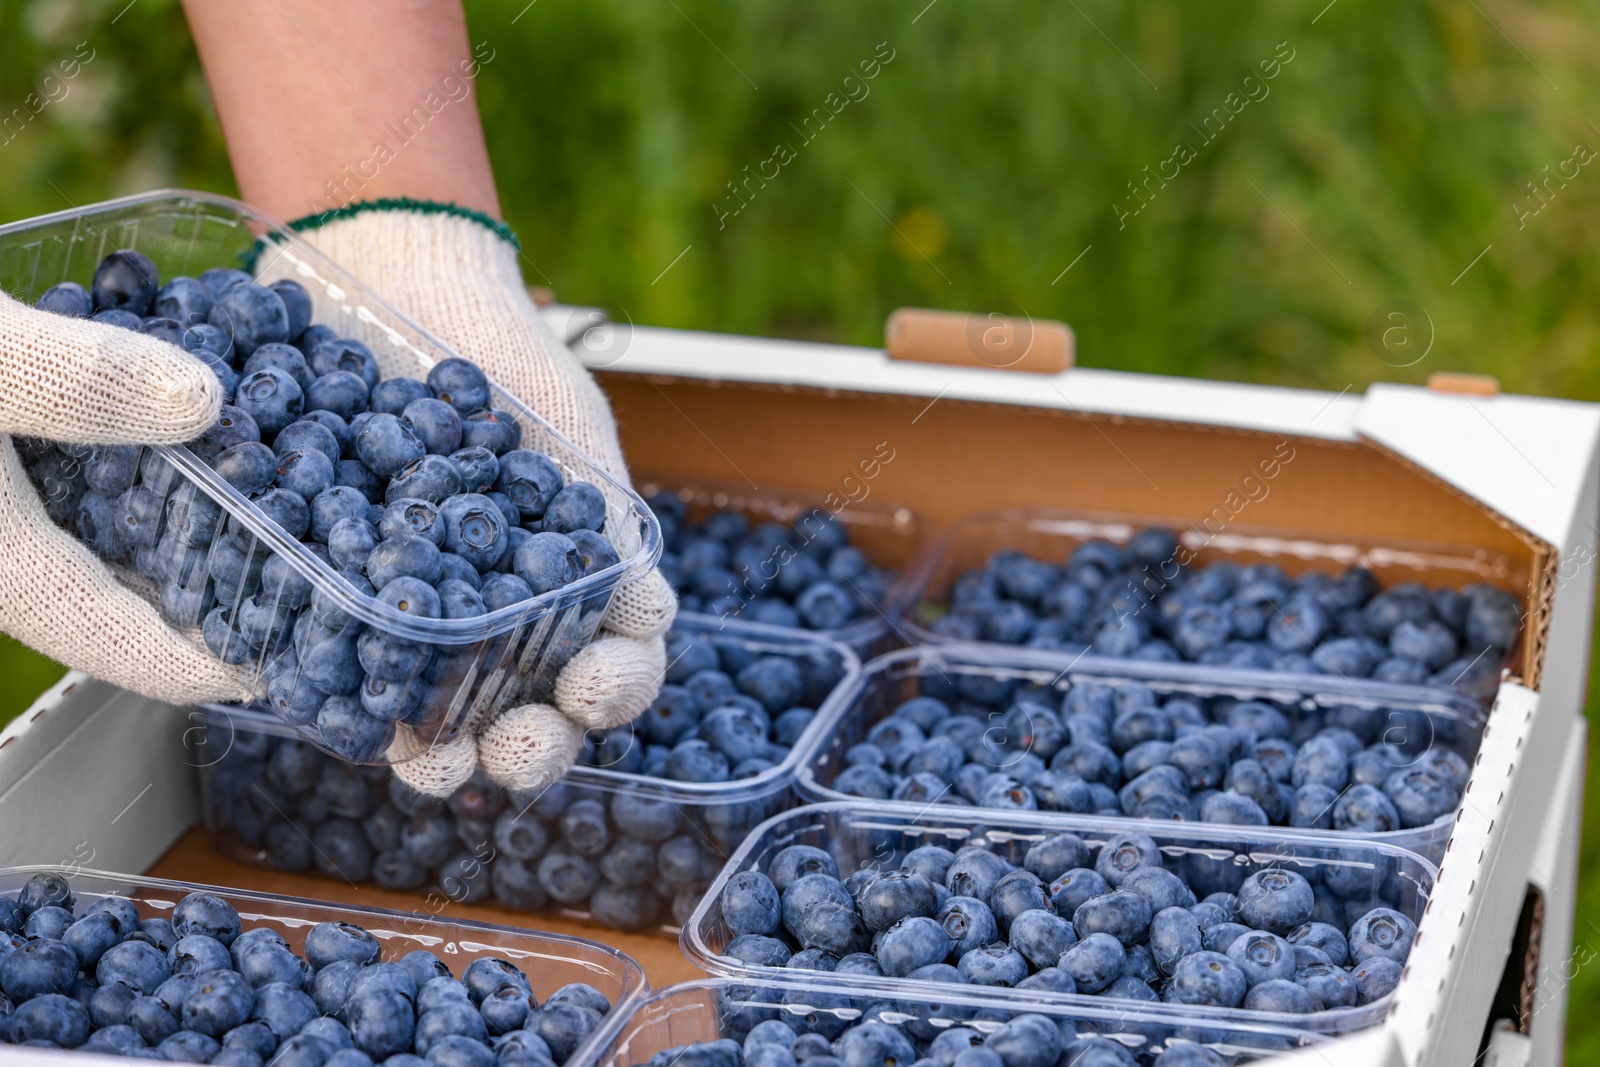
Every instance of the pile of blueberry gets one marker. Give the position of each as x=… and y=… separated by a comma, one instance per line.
x=199, y=988
x=725, y=712
x=1117, y=748
x=1111, y=921
x=804, y=574
x=894, y=1035
x=416, y=494
x=1136, y=601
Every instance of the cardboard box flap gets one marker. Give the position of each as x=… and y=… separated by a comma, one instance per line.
x=722, y=357
x=1522, y=457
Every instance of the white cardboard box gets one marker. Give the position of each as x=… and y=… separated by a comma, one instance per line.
x=99, y=777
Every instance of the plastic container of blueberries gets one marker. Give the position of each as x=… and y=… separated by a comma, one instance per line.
x=506, y=656
x=1415, y=719
x=1052, y=534
x=239, y=801
x=891, y=535
x=714, y=1008
x=549, y=960
x=861, y=834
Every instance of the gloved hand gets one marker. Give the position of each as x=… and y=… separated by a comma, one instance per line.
x=86, y=383
x=458, y=277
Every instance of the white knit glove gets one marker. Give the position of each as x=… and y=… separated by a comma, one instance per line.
x=459, y=280
x=86, y=383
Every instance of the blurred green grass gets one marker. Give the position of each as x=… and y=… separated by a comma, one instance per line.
x=1392, y=149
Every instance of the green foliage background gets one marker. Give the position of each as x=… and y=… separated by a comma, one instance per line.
x=985, y=159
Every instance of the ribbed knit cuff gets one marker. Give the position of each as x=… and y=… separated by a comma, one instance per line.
x=406, y=204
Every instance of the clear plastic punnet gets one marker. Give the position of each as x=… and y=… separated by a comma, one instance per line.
x=462, y=666
x=609, y=843
x=1136, y=593
x=888, y=535
x=1351, y=878
x=717, y=1009
x=549, y=961
x=1019, y=707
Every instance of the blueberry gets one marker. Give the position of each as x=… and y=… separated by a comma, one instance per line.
x=491, y=428
x=894, y=896
x=794, y=862
x=1094, y=962
x=1041, y=936
x=503, y=590
x=1328, y=983
x=1365, y=808
x=758, y=950
x=530, y=480
x=48, y=922
x=477, y=467
x=253, y=316
x=436, y=424
x=548, y=561
x=219, y=1001
x=578, y=506
x=282, y=1006
x=392, y=395
x=458, y=600
x=877, y=1044
x=1381, y=933
x=402, y=556
x=381, y=1022
x=340, y=392
x=644, y=816
x=233, y=427
x=1208, y=978
x=1276, y=900
x=96, y=525
x=1420, y=796
x=1283, y=996
x=473, y=529
x=329, y=942
x=273, y=964
x=126, y=280
x=975, y=873
x=1262, y=956
x=750, y=904
x=49, y=966
x=386, y=445
x=50, y=1017
x=196, y=953
x=285, y=358
x=993, y=965
x=67, y=298
x=1075, y=886
x=460, y=384
x=328, y=507
x=1122, y=913
x=350, y=731
x=1493, y=618
x=271, y=398
x=1375, y=979
x=431, y=478
x=354, y=474
x=909, y=944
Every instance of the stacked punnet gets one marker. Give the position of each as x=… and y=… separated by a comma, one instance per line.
x=1147, y=600
x=1201, y=922
x=1119, y=748
x=199, y=985
x=633, y=838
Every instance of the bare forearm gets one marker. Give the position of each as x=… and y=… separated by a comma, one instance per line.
x=327, y=103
